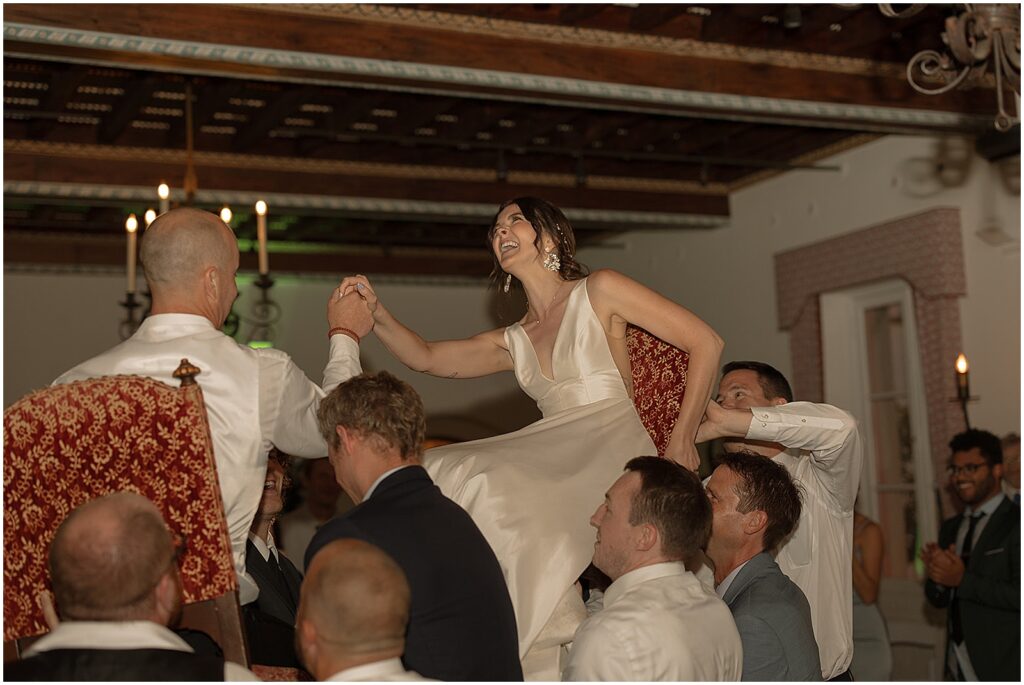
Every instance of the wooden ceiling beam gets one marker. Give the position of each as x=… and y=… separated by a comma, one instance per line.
x=804, y=78
x=82, y=170
x=79, y=250
x=650, y=17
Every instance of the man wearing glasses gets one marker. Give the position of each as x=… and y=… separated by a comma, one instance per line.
x=974, y=570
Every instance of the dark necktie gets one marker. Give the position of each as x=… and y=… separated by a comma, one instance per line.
x=965, y=555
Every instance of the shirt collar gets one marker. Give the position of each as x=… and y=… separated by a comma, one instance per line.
x=639, y=576
x=175, y=320
x=264, y=548
x=988, y=508
x=723, y=587
x=381, y=478
x=109, y=635
x=374, y=670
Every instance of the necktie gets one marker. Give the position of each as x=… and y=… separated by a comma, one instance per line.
x=1016, y=498
x=965, y=555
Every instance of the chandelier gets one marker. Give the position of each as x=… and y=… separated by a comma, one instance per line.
x=981, y=37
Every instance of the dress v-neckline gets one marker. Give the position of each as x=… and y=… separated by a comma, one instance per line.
x=558, y=336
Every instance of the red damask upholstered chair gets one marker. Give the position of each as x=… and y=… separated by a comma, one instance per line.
x=68, y=444
x=659, y=381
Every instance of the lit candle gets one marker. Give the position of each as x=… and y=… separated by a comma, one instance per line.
x=150, y=216
x=131, y=226
x=963, y=390
x=165, y=197
x=261, y=236
x=225, y=214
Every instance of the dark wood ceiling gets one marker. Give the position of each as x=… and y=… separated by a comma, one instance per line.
x=383, y=136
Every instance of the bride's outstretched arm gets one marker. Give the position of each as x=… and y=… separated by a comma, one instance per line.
x=618, y=299
x=480, y=355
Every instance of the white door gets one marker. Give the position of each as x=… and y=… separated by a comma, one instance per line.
x=872, y=368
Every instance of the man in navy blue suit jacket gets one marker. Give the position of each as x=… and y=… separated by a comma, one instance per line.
x=462, y=625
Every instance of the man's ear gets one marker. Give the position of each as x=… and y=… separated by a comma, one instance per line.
x=305, y=634
x=168, y=595
x=997, y=471
x=210, y=283
x=755, y=522
x=346, y=437
x=778, y=401
x=647, y=537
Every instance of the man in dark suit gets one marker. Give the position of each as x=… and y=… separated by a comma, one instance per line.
x=270, y=620
x=974, y=570
x=755, y=506
x=462, y=625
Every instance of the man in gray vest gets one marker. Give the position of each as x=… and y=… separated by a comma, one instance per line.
x=755, y=506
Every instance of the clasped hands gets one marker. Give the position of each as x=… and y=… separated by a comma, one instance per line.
x=943, y=566
x=351, y=305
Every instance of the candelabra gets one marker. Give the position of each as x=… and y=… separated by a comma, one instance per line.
x=265, y=313
x=131, y=321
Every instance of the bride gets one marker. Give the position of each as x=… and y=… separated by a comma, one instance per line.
x=531, y=492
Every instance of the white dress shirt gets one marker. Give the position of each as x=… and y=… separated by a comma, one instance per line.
x=254, y=399
x=265, y=548
x=658, y=623
x=824, y=456
x=723, y=587
x=389, y=670
x=123, y=635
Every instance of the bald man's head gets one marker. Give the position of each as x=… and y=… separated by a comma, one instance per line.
x=107, y=558
x=357, y=599
x=190, y=258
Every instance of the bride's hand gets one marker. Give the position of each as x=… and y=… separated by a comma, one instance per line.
x=361, y=285
x=683, y=453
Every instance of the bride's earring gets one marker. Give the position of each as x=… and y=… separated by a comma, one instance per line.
x=551, y=261
x=508, y=283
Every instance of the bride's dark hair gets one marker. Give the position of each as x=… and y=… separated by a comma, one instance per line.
x=548, y=220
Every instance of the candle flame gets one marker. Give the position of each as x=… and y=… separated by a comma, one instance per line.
x=261, y=207
x=961, y=364
x=163, y=191
x=225, y=214
x=132, y=224
x=150, y=216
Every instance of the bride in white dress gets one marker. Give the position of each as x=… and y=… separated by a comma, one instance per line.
x=532, y=492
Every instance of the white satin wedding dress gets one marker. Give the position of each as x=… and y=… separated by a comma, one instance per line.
x=532, y=492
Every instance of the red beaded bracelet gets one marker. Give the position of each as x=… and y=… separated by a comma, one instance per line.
x=341, y=329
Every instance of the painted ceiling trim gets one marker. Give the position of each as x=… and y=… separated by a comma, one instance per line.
x=351, y=168
x=487, y=78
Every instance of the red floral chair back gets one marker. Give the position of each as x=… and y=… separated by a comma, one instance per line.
x=659, y=381
x=67, y=444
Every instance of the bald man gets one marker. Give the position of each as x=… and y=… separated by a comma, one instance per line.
x=353, y=615
x=114, y=567
x=254, y=398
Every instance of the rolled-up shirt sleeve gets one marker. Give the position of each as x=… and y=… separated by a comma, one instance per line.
x=828, y=434
x=289, y=400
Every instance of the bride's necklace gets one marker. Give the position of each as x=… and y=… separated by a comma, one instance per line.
x=553, y=297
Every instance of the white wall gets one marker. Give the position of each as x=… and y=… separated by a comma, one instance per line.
x=725, y=275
